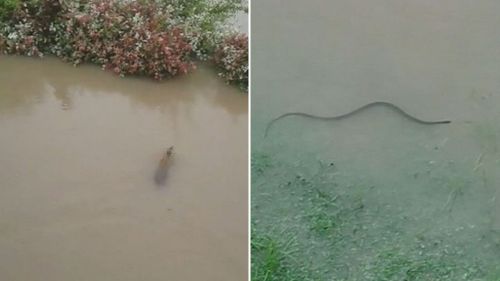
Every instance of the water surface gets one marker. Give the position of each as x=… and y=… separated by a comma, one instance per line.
x=437, y=60
x=78, y=151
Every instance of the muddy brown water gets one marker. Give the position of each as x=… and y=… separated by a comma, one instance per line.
x=78, y=152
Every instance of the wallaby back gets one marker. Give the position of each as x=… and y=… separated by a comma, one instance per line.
x=161, y=171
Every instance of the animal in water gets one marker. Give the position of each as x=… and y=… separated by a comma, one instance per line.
x=340, y=117
x=161, y=171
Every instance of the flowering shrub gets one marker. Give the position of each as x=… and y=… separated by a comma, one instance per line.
x=20, y=40
x=125, y=37
x=7, y=8
x=27, y=31
x=157, y=38
x=232, y=58
x=205, y=22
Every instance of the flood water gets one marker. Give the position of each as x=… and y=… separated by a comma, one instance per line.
x=78, y=152
x=438, y=60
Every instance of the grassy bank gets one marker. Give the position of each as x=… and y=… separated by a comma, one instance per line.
x=155, y=38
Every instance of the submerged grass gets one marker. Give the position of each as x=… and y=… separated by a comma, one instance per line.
x=396, y=265
x=329, y=225
x=272, y=258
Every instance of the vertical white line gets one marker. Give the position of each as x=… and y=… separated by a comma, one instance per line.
x=249, y=133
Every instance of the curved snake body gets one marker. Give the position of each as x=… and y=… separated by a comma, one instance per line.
x=339, y=117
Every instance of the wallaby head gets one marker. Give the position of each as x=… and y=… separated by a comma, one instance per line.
x=166, y=156
x=170, y=151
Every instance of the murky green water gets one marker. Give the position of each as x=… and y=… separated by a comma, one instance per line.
x=78, y=152
x=407, y=196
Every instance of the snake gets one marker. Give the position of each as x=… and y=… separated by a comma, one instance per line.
x=349, y=114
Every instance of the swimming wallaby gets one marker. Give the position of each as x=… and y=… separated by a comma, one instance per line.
x=161, y=171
